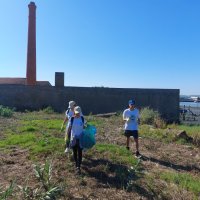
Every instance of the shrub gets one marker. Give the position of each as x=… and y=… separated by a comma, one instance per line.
x=160, y=123
x=148, y=116
x=48, y=110
x=5, y=111
x=151, y=117
x=46, y=188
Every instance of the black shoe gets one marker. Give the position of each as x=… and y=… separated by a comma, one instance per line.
x=78, y=170
x=137, y=153
x=128, y=148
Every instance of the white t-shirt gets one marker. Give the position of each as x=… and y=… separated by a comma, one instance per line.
x=131, y=117
x=69, y=114
x=77, y=127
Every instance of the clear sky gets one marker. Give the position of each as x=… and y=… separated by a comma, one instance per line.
x=109, y=43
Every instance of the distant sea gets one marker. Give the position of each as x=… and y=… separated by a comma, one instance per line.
x=191, y=104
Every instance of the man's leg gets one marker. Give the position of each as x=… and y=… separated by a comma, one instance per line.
x=68, y=138
x=127, y=142
x=136, y=144
x=135, y=135
x=79, y=157
x=75, y=150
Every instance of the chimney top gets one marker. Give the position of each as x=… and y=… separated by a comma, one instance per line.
x=32, y=4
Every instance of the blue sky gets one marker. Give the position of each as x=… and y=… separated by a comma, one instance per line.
x=110, y=43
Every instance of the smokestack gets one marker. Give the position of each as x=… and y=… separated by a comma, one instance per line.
x=31, y=49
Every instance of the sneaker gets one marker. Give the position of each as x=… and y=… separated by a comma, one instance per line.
x=137, y=154
x=128, y=148
x=67, y=150
x=78, y=170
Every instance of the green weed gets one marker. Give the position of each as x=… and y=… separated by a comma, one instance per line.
x=116, y=153
x=41, y=124
x=94, y=121
x=5, y=111
x=190, y=129
x=185, y=181
x=46, y=189
x=39, y=136
x=8, y=192
x=150, y=132
x=148, y=115
x=36, y=143
x=124, y=166
x=151, y=117
x=24, y=140
x=48, y=110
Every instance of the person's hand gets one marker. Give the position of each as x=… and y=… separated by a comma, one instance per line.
x=85, y=124
x=128, y=119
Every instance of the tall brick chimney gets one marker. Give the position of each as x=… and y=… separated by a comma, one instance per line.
x=31, y=49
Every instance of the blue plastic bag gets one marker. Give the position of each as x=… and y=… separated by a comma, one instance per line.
x=88, y=137
x=91, y=129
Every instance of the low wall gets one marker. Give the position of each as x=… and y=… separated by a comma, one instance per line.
x=91, y=99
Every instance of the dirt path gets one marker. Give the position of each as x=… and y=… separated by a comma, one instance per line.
x=171, y=156
x=14, y=165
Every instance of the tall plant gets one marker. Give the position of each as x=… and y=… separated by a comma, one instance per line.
x=48, y=190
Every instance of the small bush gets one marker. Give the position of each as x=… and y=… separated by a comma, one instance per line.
x=48, y=110
x=160, y=123
x=151, y=117
x=5, y=111
x=148, y=116
x=46, y=188
x=196, y=139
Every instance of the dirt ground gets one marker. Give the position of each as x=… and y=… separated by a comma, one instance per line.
x=94, y=183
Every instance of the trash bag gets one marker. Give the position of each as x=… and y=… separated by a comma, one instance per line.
x=88, y=137
x=91, y=129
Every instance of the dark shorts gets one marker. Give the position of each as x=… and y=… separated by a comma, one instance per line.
x=129, y=133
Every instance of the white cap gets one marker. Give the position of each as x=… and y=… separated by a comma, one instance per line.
x=77, y=110
x=72, y=104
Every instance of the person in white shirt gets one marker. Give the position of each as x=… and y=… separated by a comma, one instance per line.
x=132, y=119
x=68, y=115
x=76, y=126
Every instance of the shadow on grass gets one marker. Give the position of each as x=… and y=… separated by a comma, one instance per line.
x=112, y=175
x=171, y=165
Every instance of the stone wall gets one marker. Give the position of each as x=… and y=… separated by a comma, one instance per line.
x=91, y=99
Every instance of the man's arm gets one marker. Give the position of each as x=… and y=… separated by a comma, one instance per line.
x=125, y=118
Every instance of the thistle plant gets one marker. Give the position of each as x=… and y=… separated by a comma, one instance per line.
x=8, y=192
x=47, y=189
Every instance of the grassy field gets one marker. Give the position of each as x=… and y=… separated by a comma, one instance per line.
x=33, y=164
